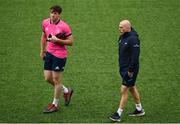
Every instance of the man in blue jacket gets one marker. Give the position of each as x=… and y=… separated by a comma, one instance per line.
x=129, y=50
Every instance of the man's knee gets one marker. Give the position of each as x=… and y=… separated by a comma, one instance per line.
x=48, y=78
x=56, y=80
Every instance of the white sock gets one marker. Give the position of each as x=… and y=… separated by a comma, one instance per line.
x=55, y=102
x=138, y=107
x=119, y=111
x=65, y=89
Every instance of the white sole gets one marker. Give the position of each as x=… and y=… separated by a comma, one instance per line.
x=141, y=114
x=115, y=120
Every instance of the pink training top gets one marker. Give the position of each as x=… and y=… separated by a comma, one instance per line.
x=57, y=50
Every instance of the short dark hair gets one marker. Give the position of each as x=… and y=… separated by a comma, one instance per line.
x=56, y=8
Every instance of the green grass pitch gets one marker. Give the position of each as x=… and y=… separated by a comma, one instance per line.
x=92, y=66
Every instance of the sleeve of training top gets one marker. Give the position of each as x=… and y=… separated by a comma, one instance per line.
x=135, y=51
x=67, y=30
x=42, y=26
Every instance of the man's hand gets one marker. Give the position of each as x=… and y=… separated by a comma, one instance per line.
x=54, y=39
x=130, y=74
x=42, y=55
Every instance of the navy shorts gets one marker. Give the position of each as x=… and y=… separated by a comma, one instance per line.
x=126, y=80
x=53, y=63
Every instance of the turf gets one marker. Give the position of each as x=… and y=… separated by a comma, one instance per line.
x=92, y=67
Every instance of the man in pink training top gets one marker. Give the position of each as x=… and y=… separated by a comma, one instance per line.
x=56, y=34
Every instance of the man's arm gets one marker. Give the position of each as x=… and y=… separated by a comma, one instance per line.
x=43, y=45
x=135, y=51
x=68, y=41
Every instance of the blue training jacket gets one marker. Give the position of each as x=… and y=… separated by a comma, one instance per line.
x=129, y=50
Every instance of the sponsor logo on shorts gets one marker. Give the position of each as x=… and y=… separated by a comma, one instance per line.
x=57, y=68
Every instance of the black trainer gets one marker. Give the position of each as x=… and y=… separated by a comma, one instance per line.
x=137, y=113
x=115, y=117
